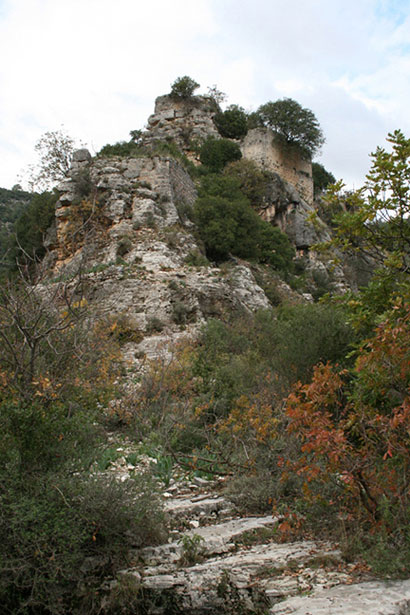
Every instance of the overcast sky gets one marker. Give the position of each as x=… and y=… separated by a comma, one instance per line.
x=95, y=67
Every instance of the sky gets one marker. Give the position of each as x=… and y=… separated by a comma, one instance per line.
x=93, y=68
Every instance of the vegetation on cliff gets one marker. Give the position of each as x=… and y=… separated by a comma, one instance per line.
x=304, y=407
x=307, y=408
x=293, y=123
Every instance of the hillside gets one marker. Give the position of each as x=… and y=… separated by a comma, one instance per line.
x=126, y=222
x=200, y=410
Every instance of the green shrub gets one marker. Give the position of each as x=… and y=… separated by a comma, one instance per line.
x=193, y=550
x=254, y=493
x=228, y=225
x=124, y=246
x=154, y=325
x=232, y=123
x=274, y=247
x=27, y=243
x=184, y=210
x=216, y=153
x=40, y=437
x=183, y=87
x=123, y=149
x=298, y=337
x=321, y=178
x=62, y=537
x=323, y=283
x=252, y=182
x=196, y=259
x=181, y=314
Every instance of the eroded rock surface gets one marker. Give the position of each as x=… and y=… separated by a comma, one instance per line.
x=217, y=561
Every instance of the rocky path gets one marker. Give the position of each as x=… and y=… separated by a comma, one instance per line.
x=219, y=562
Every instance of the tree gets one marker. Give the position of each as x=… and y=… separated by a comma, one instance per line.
x=55, y=150
x=184, y=87
x=293, y=123
x=216, y=95
x=26, y=244
x=252, y=181
x=375, y=218
x=232, y=123
x=227, y=224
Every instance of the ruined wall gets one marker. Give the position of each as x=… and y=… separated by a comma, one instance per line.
x=190, y=121
x=183, y=121
x=259, y=145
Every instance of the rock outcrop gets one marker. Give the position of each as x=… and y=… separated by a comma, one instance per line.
x=132, y=241
x=284, y=207
x=217, y=561
x=124, y=222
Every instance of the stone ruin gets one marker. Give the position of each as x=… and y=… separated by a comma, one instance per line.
x=188, y=122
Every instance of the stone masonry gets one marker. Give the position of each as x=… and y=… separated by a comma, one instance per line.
x=259, y=145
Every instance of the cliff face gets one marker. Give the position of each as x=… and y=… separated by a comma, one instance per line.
x=132, y=242
x=124, y=223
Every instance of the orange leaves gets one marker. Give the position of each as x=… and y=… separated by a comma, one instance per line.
x=251, y=421
x=312, y=409
x=354, y=428
x=45, y=388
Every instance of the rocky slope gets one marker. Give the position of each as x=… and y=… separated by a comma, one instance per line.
x=123, y=222
x=217, y=561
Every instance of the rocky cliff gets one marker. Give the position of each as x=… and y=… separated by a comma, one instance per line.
x=124, y=222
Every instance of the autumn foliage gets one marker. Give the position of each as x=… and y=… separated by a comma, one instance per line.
x=354, y=427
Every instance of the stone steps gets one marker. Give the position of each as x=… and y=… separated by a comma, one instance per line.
x=219, y=562
x=228, y=569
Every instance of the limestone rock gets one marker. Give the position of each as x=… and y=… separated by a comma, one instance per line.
x=383, y=598
x=82, y=155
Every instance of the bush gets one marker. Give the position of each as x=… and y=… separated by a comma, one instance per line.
x=228, y=225
x=232, y=123
x=274, y=247
x=300, y=336
x=62, y=537
x=123, y=149
x=63, y=532
x=216, y=153
x=353, y=428
x=321, y=178
x=26, y=247
x=252, y=182
x=184, y=87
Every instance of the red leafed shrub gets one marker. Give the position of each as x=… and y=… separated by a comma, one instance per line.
x=354, y=427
